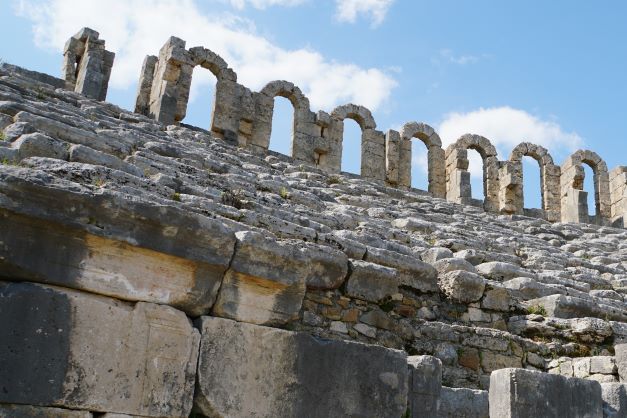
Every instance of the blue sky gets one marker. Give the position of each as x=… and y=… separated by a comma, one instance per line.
x=552, y=73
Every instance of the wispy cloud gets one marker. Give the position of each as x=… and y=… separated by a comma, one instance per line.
x=375, y=10
x=134, y=29
x=448, y=56
x=263, y=4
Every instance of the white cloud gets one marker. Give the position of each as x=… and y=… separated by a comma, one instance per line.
x=138, y=28
x=349, y=10
x=507, y=127
x=262, y=4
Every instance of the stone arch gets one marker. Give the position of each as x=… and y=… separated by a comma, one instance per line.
x=303, y=127
x=574, y=200
x=435, y=155
x=458, y=177
x=373, y=165
x=165, y=83
x=511, y=177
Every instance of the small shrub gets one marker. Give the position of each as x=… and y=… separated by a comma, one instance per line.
x=233, y=198
x=6, y=161
x=536, y=310
x=3, y=137
x=99, y=182
x=284, y=193
x=334, y=180
x=176, y=196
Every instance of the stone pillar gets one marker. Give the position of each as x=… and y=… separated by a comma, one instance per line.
x=404, y=163
x=437, y=171
x=511, y=188
x=491, y=184
x=373, y=154
x=327, y=148
x=520, y=393
x=144, y=86
x=550, y=177
x=425, y=384
x=618, y=195
x=457, y=176
x=87, y=64
x=574, y=201
x=392, y=157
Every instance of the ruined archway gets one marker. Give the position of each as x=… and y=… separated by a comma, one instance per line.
x=372, y=141
x=458, y=177
x=435, y=156
x=511, y=181
x=574, y=200
x=303, y=119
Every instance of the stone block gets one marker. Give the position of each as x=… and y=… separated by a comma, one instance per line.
x=425, y=383
x=520, y=393
x=371, y=282
x=498, y=270
x=44, y=252
x=462, y=286
x=267, y=279
x=74, y=350
x=412, y=272
x=620, y=351
x=463, y=403
x=29, y=411
x=614, y=400
x=248, y=370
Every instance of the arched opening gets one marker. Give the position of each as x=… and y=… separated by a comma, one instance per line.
x=477, y=176
x=201, y=100
x=282, y=126
x=351, y=147
x=419, y=165
x=588, y=186
x=532, y=183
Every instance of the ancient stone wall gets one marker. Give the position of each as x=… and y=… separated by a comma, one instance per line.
x=153, y=270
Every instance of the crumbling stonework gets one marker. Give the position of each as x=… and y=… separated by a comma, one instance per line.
x=161, y=270
x=87, y=64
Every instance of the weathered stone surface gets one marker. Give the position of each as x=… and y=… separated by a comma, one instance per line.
x=75, y=350
x=562, y=306
x=463, y=403
x=462, y=286
x=620, y=351
x=614, y=400
x=28, y=411
x=425, y=383
x=266, y=281
x=497, y=270
x=40, y=251
x=371, y=282
x=412, y=272
x=247, y=370
x=520, y=393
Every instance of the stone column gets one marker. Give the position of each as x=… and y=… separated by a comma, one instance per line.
x=437, y=171
x=457, y=176
x=373, y=154
x=87, y=64
x=511, y=188
x=618, y=195
x=392, y=157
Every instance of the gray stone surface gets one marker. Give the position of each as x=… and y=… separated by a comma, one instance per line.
x=463, y=403
x=70, y=349
x=247, y=370
x=614, y=400
x=620, y=351
x=425, y=383
x=520, y=393
x=29, y=411
x=462, y=286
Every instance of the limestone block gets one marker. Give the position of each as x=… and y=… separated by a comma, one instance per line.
x=37, y=250
x=620, y=351
x=248, y=370
x=463, y=403
x=75, y=350
x=497, y=299
x=462, y=286
x=602, y=364
x=40, y=145
x=371, y=282
x=29, y=411
x=499, y=270
x=266, y=281
x=87, y=155
x=447, y=265
x=614, y=400
x=436, y=253
x=425, y=383
x=562, y=306
x=412, y=272
x=520, y=393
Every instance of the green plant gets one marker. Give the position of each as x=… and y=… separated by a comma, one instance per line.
x=284, y=193
x=3, y=137
x=233, y=198
x=99, y=182
x=536, y=310
x=176, y=196
x=41, y=93
x=334, y=180
x=6, y=161
x=407, y=414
